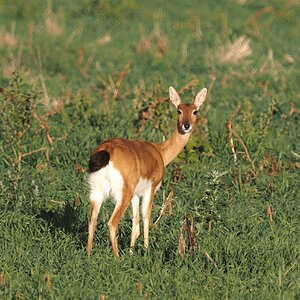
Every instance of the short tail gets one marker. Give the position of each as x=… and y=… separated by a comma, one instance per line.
x=98, y=161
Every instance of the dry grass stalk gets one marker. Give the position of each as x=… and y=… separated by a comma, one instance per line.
x=162, y=46
x=30, y=34
x=14, y=65
x=45, y=126
x=79, y=168
x=176, y=175
x=271, y=165
x=46, y=96
x=11, y=67
x=158, y=36
x=80, y=61
x=61, y=203
x=21, y=155
x=182, y=244
x=231, y=134
x=55, y=107
x=8, y=39
x=288, y=58
x=19, y=296
x=253, y=19
x=170, y=205
x=188, y=229
x=209, y=226
x=269, y=66
x=156, y=41
x=229, y=126
x=121, y=78
x=198, y=27
x=104, y=40
x=234, y=52
x=212, y=83
x=139, y=288
x=191, y=234
x=46, y=99
x=207, y=107
x=47, y=279
x=112, y=86
x=291, y=267
x=148, y=295
x=296, y=154
x=188, y=85
x=167, y=204
x=231, y=143
x=184, y=52
x=77, y=201
x=77, y=32
x=246, y=153
x=294, y=110
x=80, y=58
x=52, y=26
x=291, y=3
x=144, y=44
x=85, y=69
x=2, y=279
x=212, y=261
x=270, y=214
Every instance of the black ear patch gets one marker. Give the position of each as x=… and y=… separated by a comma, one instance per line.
x=98, y=160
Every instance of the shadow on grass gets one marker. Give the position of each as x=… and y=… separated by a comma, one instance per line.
x=68, y=219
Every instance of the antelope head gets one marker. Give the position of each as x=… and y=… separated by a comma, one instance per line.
x=187, y=113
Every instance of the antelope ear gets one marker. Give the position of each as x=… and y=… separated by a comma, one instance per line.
x=174, y=97
x=200, y=98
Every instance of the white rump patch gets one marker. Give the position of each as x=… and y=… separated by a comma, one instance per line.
x=107, y=181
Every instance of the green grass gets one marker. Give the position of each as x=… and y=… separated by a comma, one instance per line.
x=63, y=91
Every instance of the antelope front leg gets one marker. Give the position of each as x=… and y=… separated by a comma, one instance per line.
x=135, y=222
x=147, y=207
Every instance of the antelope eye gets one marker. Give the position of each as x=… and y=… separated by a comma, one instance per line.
x=195, y=112
x=179, y=111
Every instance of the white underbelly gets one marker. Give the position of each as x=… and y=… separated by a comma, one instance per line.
x=142, y=187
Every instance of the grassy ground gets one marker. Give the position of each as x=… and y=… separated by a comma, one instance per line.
x=74, y=73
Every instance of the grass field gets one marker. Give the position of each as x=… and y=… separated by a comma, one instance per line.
x=74, y=73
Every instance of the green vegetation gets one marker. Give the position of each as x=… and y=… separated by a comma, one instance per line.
x=74, y=73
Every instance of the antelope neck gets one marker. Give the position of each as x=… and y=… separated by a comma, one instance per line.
x=170, y=148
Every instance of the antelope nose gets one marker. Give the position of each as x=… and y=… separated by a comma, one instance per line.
x=186, y=126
